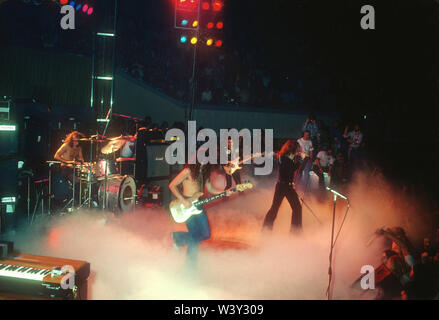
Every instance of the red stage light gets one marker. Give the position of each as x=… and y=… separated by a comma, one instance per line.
x=187, y=4
x=210, y=25
x=85, y=8
x=218, y=43
x=219, y=25
x=90, y=11
x=64, y=2
x=217, y=5
x=205, y=6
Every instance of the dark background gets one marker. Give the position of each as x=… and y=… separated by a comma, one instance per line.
x=313, y=48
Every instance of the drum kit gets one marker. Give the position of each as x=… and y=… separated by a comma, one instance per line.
x=104, y=182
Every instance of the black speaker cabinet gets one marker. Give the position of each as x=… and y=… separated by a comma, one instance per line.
x=150, y=161
x=157, y=167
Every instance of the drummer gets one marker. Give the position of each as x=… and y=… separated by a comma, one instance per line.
x=70, y=151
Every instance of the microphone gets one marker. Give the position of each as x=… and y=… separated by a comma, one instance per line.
x=337, y=194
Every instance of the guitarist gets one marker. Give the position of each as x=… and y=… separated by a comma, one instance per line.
x=193, y=178
x=289, y=163
x=235, y=175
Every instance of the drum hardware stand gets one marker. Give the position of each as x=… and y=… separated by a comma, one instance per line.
x=135, y=163
x=28, y=198
x=74, y=184
x=51, y=163
x=87, y=200
x=104, y=202
x=39, y=199
x=80, y=184
x=50, y=189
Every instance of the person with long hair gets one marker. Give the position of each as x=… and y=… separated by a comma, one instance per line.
x=70, y=151
x=68, y=154
x=289, y=162
x=192, y=179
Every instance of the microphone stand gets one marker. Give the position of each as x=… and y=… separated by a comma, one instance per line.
x=309, y=208
x=301, y=198
x=335, y=195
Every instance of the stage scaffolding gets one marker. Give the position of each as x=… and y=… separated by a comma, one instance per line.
x=103, y=66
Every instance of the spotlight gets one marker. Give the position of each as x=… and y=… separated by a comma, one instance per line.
x=217, y=5
x=205, y=6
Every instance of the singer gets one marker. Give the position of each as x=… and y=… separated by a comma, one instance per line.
x=289, y=163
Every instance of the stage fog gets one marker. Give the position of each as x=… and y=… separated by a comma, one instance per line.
x=132, y=256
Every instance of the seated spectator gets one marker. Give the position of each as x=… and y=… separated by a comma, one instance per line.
x=323, y=164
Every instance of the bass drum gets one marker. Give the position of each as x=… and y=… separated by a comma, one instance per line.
x=121, y=193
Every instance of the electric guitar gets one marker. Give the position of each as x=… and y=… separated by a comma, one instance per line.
x=180, y=214
x=234, y=165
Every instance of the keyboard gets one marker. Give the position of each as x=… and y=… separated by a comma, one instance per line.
x=26, y=276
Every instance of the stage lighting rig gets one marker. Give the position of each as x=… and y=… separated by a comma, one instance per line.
x=200, y=20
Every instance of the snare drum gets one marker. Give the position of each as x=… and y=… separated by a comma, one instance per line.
x=121, y=193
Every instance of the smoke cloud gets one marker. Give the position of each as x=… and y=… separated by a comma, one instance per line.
x=132, y=256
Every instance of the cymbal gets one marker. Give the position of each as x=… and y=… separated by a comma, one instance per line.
x=113, y=146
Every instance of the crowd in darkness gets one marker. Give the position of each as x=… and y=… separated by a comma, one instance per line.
x=231, y=76
x=234, y=74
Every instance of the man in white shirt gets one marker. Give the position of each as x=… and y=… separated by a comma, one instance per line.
x=306, y=148
x=324, y=163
